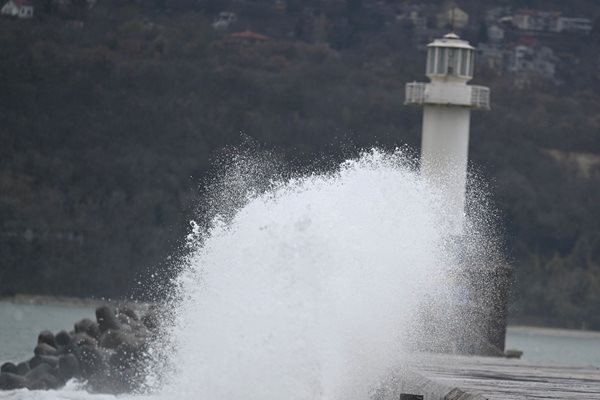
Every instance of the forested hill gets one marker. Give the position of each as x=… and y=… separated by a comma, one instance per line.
x=110, y=112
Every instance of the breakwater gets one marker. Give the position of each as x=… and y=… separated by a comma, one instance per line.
x=107, y=353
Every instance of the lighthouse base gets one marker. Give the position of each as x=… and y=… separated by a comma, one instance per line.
x=482, y=328
x=474, y=321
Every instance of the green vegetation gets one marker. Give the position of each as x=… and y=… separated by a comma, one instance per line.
x=109, y=118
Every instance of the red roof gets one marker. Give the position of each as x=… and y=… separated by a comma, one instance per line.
x=247, y=35
x=527, y=41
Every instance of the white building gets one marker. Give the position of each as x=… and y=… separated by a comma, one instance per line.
x=224, y=19
x=527, y=61
x=496, y=13
x=495, y=33
x=549, y=21
x=18, y=8
x=574, y=25
x=533, y=20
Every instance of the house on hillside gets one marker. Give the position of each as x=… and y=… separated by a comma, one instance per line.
x=245, y=38
x=494, y=14
x=534, y=20
x=526, y=61
x=18, y=9
x=574, y=25
x=550, y=21
x=453, y=17
x=495, y=33
x=224, y=19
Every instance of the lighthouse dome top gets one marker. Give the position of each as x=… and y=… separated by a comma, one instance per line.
x=450, y=58
x=451, y=40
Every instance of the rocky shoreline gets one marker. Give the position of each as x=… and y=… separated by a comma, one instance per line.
x=106, y=353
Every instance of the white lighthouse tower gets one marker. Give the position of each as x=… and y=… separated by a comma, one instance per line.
x=447, y=102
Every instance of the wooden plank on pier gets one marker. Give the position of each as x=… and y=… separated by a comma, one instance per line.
x=508, y=379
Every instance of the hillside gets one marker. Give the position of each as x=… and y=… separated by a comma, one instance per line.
x=110, y=117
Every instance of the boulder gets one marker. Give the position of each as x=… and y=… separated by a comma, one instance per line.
x=94, y=331
x=107, y=319
x=36, y=361
x=111, y=339
x=62, y=339
x=9, y=381
x=124, y=310
x=128, y=355
x=83, y=325
x=40, y=370
x=44, y=349
x=124, y=319
x=46, y=337
x=43, y=377
x=91, y=360
x=9, y=367
x=83, y=339
x=23, y=368
x=68, y=367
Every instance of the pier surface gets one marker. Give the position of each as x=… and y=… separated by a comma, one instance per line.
x=507, y=379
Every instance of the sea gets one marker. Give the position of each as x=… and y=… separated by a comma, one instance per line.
x=21, y=323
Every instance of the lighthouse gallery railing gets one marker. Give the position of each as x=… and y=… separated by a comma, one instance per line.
x=417, y=93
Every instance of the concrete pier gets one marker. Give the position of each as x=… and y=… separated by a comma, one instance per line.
x=453, y=377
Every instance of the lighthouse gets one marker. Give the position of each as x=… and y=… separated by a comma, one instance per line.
x=447, y=101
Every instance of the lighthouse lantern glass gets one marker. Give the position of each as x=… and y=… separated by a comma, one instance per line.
x=471, y=62
x=430, y=60
x=441, y=61
x=450, y=58
x=463, y=62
